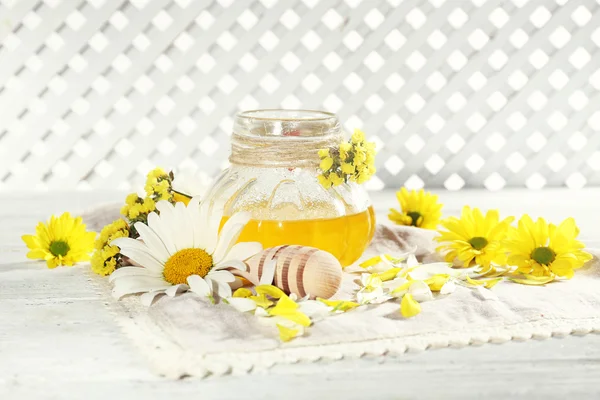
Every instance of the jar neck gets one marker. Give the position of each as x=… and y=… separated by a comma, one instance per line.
x=282, y=138
x=280, y=151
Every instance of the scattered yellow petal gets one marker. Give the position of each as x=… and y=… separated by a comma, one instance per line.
x=242, y=292
x=370, y=262
x=261, y=300
x=409, y=307
x=533, y=280
x=270, y=290
x=402, y=288
x=389, y=274
x=339, y=305
x=474, y=282
x=490, y=283
x=286, y=334
x=437, y=281
x=288, y=309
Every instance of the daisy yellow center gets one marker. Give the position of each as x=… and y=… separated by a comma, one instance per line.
x=59, y=248
x=414, y=216
x=185, y=263
x=478, y=242
x=543, y=255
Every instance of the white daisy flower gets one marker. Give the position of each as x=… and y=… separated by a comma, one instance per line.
x=182, y=249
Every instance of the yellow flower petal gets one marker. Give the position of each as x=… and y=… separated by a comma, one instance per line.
x=533, y=280
x=261, y=301
x=474, y=282
x=437, y=281
x=370, y=262
x=389, y=274
x=339, y=305
x=242, y=292
x=323, y=153
x=270, y=290
x=286, y=334
x=326, y=164
x=409, y=307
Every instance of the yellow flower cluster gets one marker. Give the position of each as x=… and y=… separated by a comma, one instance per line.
x=158, y=185
x=106, y=258
x=136, y=208
x=352, y=161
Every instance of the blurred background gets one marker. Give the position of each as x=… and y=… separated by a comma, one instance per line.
x=456, y=94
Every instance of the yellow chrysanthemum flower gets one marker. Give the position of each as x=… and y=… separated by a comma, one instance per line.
x=474, y=238
x=62, y=241
x=420, y=209
x=544, y=249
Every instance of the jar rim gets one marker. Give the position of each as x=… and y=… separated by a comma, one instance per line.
x=282, y=114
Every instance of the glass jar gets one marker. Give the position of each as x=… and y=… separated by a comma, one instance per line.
x=273, y=175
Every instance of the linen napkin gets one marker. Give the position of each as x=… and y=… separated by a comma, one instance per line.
x=185, y=336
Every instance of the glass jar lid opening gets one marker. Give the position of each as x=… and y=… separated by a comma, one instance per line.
x=290, y=123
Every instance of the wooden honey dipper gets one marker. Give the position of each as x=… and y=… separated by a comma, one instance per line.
x=299, y=269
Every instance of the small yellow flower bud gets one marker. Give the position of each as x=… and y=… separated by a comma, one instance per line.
x=348, y=168
x=324, y=181
x=324, y=153
x=326, y=164
x=358, y=136
x=336, y=180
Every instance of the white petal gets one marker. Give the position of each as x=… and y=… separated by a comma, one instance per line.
x=241, y=304
x=425, y=271
x=127, y=285
x=209, y=220
x=140, y=254
x=412, y=261
x=268, y=273
x=169, y=223
x=235, y=264
x=164, y=207
x=394, y=283
x=199, y=286
x=420, y=291
x=184, y=227
x=152, y=241
x=148, y=298
x=137, y=280
x=221, y=276
x=229, y=234
x=223, y=289
x=243, y=251
x=129, y=243
x=448, y=287
x=194, y=213
x=157, y=225
x=176, y=289
x=314, y=309
x=132, y=271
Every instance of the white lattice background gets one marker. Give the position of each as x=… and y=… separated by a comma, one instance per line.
x=456, y=93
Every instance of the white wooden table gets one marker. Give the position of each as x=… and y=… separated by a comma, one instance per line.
x=57, y=339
